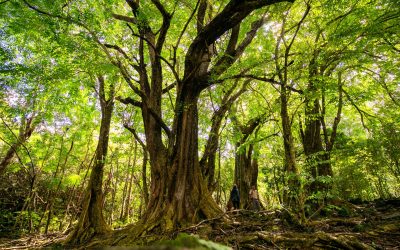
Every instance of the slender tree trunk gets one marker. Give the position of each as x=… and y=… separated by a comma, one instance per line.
x=25, y=131
x=128, y=200
x=144, y=187
x=56, y=192
x=246, y=165
x=114, y=192
x=7, y=159
x=91, y=221
x=207, y=162
x=291, y=195
x=317, y=157
x=277, y=184
x=125, y=189
x=124, y=193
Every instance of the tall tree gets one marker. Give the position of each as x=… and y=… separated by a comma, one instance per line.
x=282, y=64
x=208, y=160
x=180, y=195
x=246, y=164
x=91, y=221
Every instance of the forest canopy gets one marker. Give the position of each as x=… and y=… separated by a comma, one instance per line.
x=143, y=114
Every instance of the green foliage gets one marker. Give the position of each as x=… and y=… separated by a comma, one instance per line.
x=48, y=68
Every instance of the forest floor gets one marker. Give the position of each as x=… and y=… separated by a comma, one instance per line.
x=374, y=225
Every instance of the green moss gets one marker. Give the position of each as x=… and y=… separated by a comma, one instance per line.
x=363, y=227
x=193, y=242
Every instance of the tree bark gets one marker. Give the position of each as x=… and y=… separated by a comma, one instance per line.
x=290, y=196
x=179, y=191
x=318, y=156
x=207, y=161
x=91, y=221
x=25, y=132
x=246, y=166
x=180, y=196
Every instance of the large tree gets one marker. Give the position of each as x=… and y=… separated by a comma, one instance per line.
x=207, y=45
x=91, y=221
x=179, y=191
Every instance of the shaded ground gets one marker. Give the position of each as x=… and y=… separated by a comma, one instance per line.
x=342, y=226
x=348, y=226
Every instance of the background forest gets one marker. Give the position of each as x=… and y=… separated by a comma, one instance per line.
x=299, y=99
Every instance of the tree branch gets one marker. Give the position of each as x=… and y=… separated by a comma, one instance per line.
x=201, y=14
x=360, y=111
x=125, y=18
x=232, y=52
x=119, y=49
x=232, y=14
x=133, y=131
x=169, y=87
x=338, y=114
x=178, y=41
x=160, y=121
x=129, y=100
x=164, y=27
x=265, y=79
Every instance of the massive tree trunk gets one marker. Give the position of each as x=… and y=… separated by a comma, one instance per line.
x=180, y=192
x=246, y=173
x=91, y=221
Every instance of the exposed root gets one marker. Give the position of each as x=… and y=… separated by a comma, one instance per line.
x=243, y=229
x=33, y=241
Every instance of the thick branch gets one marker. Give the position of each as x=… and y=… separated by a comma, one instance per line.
x=133, y=131
x=129, y=100
x=152, y=112
x=164, y=27
x=232, y=52
x=178, y=41
x=168, y=88
x=125, y=18
x=233, y=13
x=160, y=122
x=227, y=101
x=201, y=14
x=117, y=48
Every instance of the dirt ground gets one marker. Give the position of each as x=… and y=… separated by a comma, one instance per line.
x=374, y=225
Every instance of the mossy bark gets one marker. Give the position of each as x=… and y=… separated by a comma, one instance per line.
x=91, y=221
x=179, y=192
